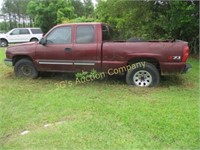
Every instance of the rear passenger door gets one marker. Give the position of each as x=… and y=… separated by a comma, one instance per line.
x=24, y=35
x=85, y=48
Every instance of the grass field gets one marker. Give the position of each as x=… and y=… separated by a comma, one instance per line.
x=98, y=115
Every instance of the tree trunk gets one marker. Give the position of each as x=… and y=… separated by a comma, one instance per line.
x=10, y=21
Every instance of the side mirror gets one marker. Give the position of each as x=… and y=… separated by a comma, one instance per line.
x=43, y=41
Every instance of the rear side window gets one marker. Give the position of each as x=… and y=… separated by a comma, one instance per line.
x=105, y=33
x=36, y=31
x=24, y=31
x=60, y=35
x=85, y=34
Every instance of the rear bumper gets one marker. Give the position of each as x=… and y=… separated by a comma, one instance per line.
x=175, y=67
x=8, y=62
x=187, y=68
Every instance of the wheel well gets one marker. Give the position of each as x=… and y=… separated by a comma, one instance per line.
x=19, y=57
x=34, y=38
x=3, y=39
x=153, y=61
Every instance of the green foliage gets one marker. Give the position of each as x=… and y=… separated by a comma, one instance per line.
x=47, y=13
x=78, y=8
x=50, y=12
x=84, y=74
x=79, y=20
x=4, y=26
x=16, y=10
x=153, y=19
x=89, y=8
x=146, y=19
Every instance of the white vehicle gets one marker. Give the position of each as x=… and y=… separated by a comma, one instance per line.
x=20, y=35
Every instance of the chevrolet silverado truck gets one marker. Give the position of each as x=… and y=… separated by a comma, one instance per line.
x=86, y=46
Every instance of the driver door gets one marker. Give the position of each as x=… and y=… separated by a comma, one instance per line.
x=56, y=55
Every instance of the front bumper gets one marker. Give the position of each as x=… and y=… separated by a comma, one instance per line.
x=187, y=68
x=8, y=62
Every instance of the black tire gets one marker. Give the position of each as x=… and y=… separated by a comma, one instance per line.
x=25, y=68
x=3, y=43
x=33, y=40
x=147, y=76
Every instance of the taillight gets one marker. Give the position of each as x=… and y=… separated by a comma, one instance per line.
x=185, y=53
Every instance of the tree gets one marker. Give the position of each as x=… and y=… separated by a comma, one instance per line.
x=78, y=8
x=50, y=12
x=152, y=19
x=89, y=8
x=8, y=8
x=16, y=9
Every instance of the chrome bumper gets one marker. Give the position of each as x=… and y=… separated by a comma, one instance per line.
x=8, y=62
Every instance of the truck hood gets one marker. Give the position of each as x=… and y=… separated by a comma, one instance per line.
x=23, y=45
x=27, y=49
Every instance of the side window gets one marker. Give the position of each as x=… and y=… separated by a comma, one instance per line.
x=24, y=31
x=105, y=33
x=15, y=32
x=36, y=31
x=85, y=34
x=60, y=35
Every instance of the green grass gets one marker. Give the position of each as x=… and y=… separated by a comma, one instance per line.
x=99, y=115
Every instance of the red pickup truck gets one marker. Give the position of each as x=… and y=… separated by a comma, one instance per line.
x=86, y=46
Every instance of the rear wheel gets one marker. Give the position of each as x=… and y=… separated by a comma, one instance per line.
x=146, y=76
x=25, y=68
x=3, y=43
x=34, y=40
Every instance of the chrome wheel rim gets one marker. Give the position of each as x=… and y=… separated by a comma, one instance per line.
x=142, y=78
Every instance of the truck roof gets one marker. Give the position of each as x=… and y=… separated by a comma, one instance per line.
x=82, y=23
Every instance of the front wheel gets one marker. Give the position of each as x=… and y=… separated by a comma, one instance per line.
x=25, y=68
x=146, y=76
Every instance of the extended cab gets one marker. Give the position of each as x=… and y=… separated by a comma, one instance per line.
x=86, y=46
x=19, y=35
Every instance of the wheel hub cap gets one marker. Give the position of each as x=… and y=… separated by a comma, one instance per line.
x=26, y=70
x=142, y=78
x=3, y=43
